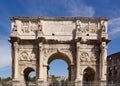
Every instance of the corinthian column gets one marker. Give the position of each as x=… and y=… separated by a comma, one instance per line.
x=15, y=60
x=103, y=63
x=40, y=77
x=77, y=65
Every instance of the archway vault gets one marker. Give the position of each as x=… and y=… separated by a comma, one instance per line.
x=27, y=72
x=89, y=74
x=59, y=55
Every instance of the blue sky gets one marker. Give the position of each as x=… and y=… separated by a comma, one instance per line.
x=84, y=8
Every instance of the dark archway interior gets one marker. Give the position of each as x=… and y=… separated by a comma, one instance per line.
x=88, y=75
x=27, y=71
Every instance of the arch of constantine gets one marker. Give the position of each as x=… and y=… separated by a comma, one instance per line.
x=80, y=41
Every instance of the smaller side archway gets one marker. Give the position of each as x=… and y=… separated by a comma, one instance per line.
x=27, y=76
x=88, y=76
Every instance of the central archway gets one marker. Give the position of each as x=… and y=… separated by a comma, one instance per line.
x=61, y=56
x=88, y=76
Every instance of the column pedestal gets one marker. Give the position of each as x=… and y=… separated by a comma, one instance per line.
x=40, y=82
x=103, y=83
x=16, y=82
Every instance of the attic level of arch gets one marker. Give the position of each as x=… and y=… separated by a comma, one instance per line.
x=46, y=26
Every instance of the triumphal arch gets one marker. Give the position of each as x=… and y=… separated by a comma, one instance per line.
x=80, y=41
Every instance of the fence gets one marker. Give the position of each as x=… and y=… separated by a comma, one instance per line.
x=5, y=84
x=68, y=83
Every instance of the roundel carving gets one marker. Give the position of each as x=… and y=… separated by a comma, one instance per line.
x=24, y=56
x=84, y=56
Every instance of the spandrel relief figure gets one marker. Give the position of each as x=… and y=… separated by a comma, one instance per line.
x=93, y=56
x=84, y=57
x=24, y=56
x=32, y=56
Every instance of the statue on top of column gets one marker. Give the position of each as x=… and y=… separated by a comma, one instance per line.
x=103, y=27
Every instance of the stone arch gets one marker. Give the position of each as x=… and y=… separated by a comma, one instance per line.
x=26, y=73
x=66, y=58
x=59, y=55
x=88, y=75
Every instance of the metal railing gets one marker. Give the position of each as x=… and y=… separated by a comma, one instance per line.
x=67, y=83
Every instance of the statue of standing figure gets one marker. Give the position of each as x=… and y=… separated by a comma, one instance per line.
x=78, y=26
x=103, y=27
x=14, y=27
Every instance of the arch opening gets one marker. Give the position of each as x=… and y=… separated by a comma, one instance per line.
x=62, y=60
x=29, y=76
x=88, y=76
x=59, y=55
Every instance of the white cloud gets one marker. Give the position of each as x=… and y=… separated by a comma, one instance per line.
x=71, y=7
x=31, y=7
x=114, y=25
x=5, y=52
x=78, y=8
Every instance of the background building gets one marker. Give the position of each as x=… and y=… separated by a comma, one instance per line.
x=113, y=68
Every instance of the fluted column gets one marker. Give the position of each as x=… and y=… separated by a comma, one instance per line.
x=15, y=60
x=103, y=63
x=40, y=62
x=15, y=70
x=77, y=64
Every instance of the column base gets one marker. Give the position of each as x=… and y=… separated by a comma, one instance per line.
x=78, y=82
x=103, y=83
x=41, y=82
x=16, y=82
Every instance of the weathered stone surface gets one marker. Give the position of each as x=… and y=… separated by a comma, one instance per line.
x=80, y=41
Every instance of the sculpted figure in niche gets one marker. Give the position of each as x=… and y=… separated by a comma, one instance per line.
x=32, y=56
x=103, y=28
x=93, y=56
x=84, y=57
x=78, y=26
x=39, y=26
x=25, y=28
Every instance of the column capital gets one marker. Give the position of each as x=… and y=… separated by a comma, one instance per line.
x=103, y=45
x=40, y=44
x=15, y=44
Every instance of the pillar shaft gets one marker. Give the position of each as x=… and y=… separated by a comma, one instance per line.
x=103, y=57
x=40, y=62
x=77, y=65
x=15, y=61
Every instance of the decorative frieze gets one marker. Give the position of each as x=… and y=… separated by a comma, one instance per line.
x=86, y=27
